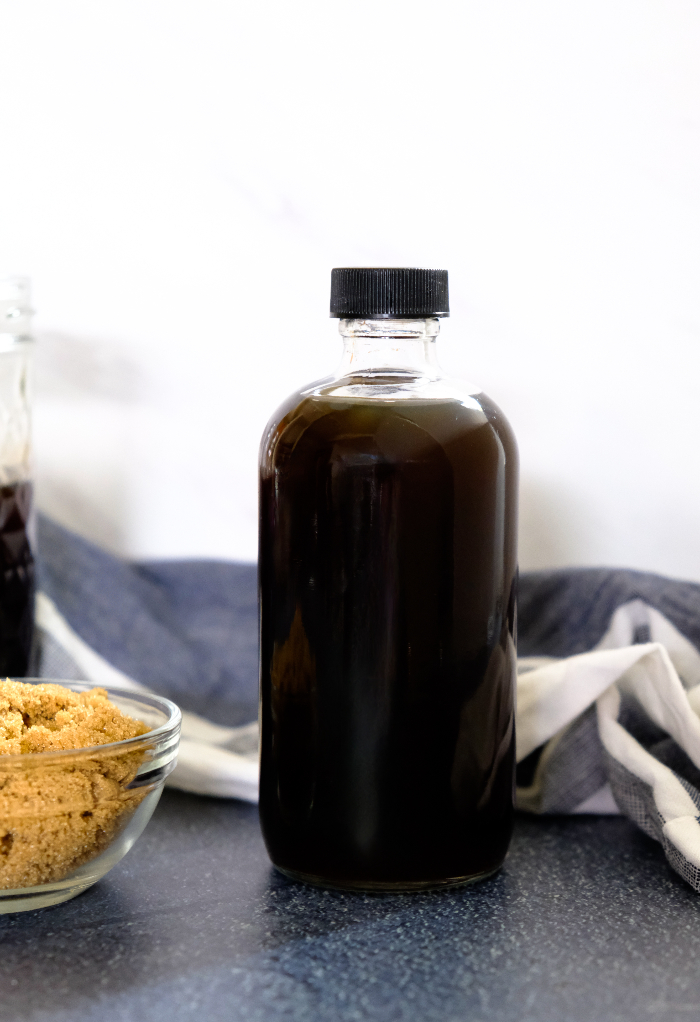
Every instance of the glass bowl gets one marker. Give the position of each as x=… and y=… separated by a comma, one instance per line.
x=67, y=817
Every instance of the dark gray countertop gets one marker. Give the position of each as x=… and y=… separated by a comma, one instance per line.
x=585, y=922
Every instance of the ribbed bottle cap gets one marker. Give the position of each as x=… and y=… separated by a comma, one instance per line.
x=385, y=293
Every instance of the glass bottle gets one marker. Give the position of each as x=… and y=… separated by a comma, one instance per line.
x=387, y=570
x=16, y=558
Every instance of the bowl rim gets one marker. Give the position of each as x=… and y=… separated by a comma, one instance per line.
x=170, y=727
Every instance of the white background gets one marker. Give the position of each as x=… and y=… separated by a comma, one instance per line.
x=178, y=178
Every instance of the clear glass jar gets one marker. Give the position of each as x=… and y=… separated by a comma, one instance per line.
x=388, y=506
x=67, y=817
x=16, y=559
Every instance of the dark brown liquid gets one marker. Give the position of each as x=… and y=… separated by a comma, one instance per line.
x=16, y=580
x=387, y=582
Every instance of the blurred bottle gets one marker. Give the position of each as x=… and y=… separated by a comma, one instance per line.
x=16, y=558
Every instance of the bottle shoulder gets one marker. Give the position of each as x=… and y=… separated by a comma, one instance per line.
x=365, y=406
x=501, y=426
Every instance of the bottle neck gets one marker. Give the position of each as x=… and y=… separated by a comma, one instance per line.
x=389, y=346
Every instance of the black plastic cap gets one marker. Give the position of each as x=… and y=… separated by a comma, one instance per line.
x=383, y=293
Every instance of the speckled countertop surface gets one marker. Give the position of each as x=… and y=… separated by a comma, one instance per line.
x=585, y=922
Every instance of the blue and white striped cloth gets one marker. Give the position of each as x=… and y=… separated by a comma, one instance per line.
x=608, y=677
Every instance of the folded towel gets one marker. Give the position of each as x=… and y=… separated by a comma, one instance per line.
x=608, y=683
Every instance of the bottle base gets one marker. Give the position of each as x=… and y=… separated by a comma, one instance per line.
x=386, y=887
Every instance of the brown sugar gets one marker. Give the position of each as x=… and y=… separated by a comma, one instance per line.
x=58, y=813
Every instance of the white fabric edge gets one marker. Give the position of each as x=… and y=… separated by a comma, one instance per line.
x=636, y=613
x=654, y=682
x=202, y=767
x=676, y=808
x=550, y=697
x=209, y=770
x=99, y=670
